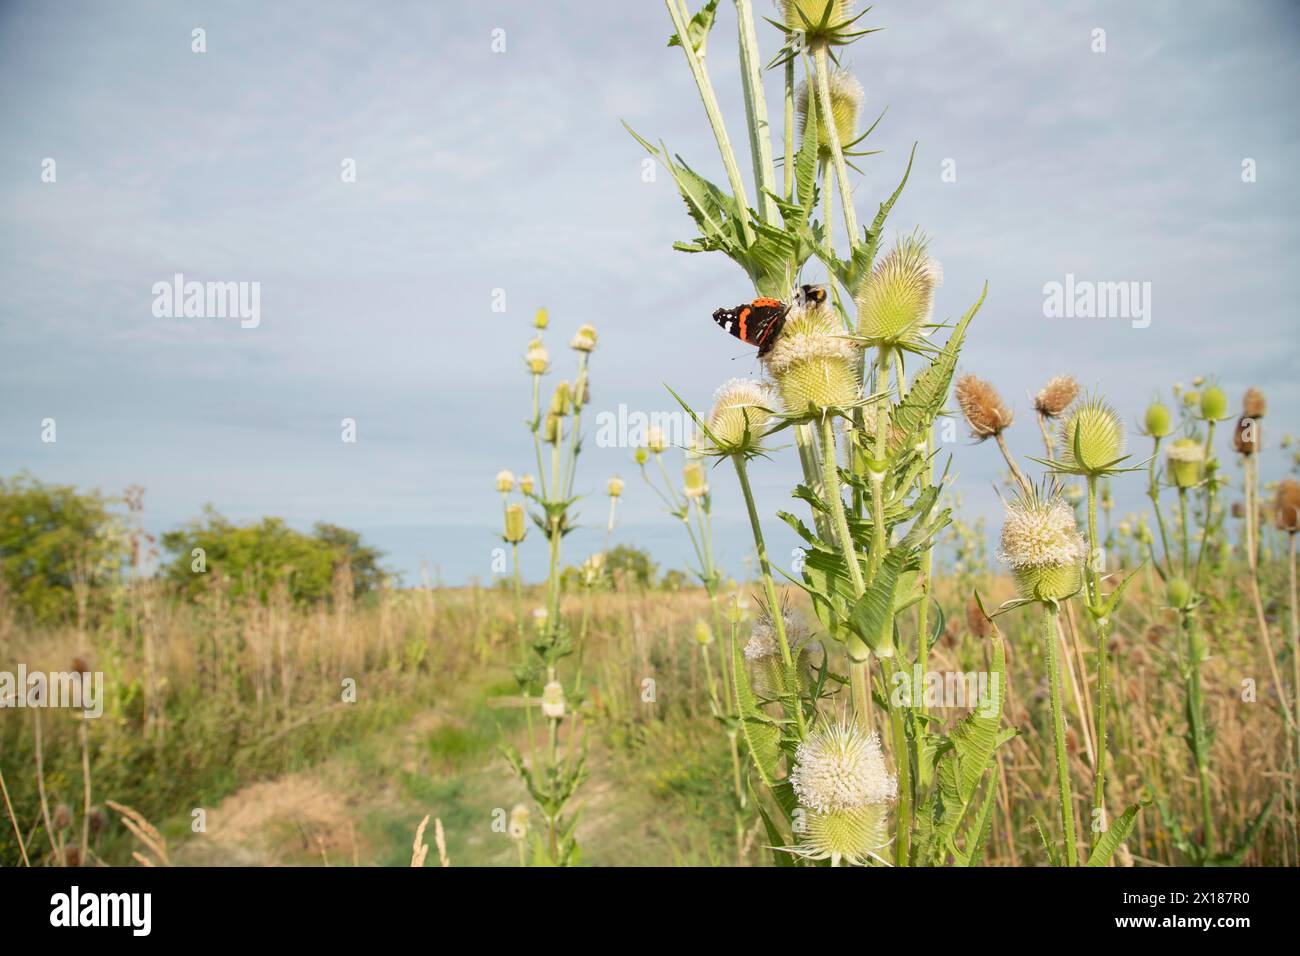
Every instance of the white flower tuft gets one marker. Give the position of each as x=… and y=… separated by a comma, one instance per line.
x=1040, y=534
x=838, y=767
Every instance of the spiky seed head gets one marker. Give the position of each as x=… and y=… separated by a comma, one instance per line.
x=1253, y=404
x=519, y=822
x=505, y=481
x=553, y=700
x=898, y=297
x=846, y=101
x=1056, y=396
x=1246, y=435
x=540, y=617
x=527, y=483
x=537, y=358
x=839, y=767
x=542, y=319
x=562, y=399
x=614, y=487
x=807, y=16
x=584, y=340
x=1286, y=509
x=642, y=455
x=1158, y=421
x=703, y=634
x=1177, y=593
x=741, y=413
x=655, y=440
x=593, y=569
x=1214, y=404
x=982, y=407
x=814, y=365
x=1042, y=545
x=1186, y=462
x=551, y=429
x=694, y=483
x=62, y=817
x=516, y=526
x=1191, y=398
x=763, y=640
x=1100, y=437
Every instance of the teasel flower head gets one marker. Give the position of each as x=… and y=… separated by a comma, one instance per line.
x=1186, y=462
x=982, y=407
x=655, y=440
x=822, y=22
x=694, y=483
x=553, y=702
x=1056, y=396
x=1191, y=398
x=897, y=299
x=551, y=429
x=584, y=340
x=845, y=789
x=1246, y=435
x=814, y=364
x=1178, y=593
x=516, y=526
x=846, y=101
x=1158, y=422
x=1214, y=404
x=562, y=399
x=542, y=319
x=1286, y=509
x=518, y=828
x=62, y=818
x=527, y=483
x=703, y=633
x=540, y=616
x=593, y=570
x=1042, y=545
x=1092, y=439
x=505, y=481
x=763, y=652
x=1253, y=404
x=614, y=487
x=537, y=358
x=741, y=413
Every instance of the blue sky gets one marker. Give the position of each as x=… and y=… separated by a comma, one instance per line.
x=480, y=170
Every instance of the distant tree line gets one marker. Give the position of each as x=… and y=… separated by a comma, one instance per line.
x=63, y=550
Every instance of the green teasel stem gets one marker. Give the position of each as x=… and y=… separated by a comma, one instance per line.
x=788, y=165
x=1052, y=654
x=760, y=134
x=1196, y=725
x=714, y=113
x=769, y=589
x=1103, y=628
x=1183, y=521
x=820, y=58
x=879, y=538
x=903, y=760
x=1153, y=492
x=831, y=481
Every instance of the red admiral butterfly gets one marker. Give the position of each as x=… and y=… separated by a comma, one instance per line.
x=760, y=322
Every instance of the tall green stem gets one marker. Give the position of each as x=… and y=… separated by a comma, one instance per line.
x=1051, y=652
x=1103, y=629
x=714, y=112
x=820, y=58
x=760, y=137
x=769, y=590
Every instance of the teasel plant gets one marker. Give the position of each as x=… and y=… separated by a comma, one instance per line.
x=1192, y=471
x=552, y=772
x=837, y=380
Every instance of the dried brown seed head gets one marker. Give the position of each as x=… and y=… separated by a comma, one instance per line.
x=1286, y=510
x=1246, y=435
x=982, y=407
x=1253, y=404
x=1056, y=396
